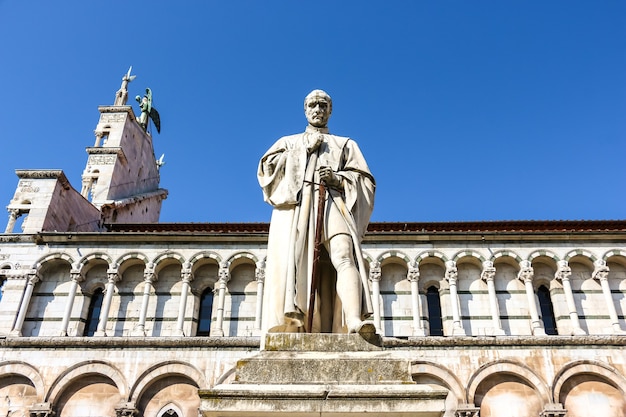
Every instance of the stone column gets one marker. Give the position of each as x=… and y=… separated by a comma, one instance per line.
x=87, y=184
x=526, y=274
x=113, y=277
x=149, y=277
x=259, y=274
x=562, y=274
x=413, y=276
x=186, y=277
x=451, y=276
x=374, y=277
x=488, y=275
x=601, y=274
x=77, y=277
x=13, y=215
x=224, y=277
x=33, y=278
x=99, y=136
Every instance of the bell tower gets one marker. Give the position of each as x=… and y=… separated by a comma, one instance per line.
x=120, y=183
x=121, y=177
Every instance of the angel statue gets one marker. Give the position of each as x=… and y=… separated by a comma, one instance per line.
x=147, y=111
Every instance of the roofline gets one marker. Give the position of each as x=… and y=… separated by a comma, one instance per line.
x=500, y=226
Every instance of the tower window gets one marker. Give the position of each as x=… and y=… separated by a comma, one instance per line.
x=204, y=317
x=435, y=320
x=93, y=315
x=547, y=310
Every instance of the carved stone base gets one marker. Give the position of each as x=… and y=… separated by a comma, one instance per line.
x=322, y=374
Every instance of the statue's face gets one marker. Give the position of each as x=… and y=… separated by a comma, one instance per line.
x=317, y=111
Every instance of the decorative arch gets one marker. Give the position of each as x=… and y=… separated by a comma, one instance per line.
x=468, y=253
x=432, y=254
x=198, y=257
x=79, y=370
x=368, y=258
x=162, y=260
x=241, y=257
x=96, y=255
x=393, y=254
x=542, y=253
x=507, y=367
x=580, y=252
x=27, y=371
x=58, y=256
x=606, y=372
x=6, y=265
x=448, y=378
x=127, y=258
x=616, y=255
x=161, y=370
x=506, y=254
x=230, y=373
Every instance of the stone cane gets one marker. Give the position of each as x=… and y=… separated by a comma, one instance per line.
x=319, y=225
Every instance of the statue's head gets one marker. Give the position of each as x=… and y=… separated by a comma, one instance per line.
x=317, y=107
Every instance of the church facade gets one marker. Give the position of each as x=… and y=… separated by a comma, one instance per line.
x=106, y=312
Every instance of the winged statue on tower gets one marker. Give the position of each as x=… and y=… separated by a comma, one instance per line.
x=148, y=111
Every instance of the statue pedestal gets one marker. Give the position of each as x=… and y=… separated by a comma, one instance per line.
x=322, y=375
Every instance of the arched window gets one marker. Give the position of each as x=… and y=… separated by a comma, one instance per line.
x=204, y=317
x=435, y=321
x=170, y=410
x=547, y=311
x=94, y=312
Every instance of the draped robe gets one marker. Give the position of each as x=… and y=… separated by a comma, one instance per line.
x=288, y=176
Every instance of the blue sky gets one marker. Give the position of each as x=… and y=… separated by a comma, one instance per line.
x=464, y=110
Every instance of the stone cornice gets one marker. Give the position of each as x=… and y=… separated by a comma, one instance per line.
x=117, y=109
x=44, y=174
x=467, y=342
x=389, y=343
x=160, y=193
x=92, y=150
x=174, y=343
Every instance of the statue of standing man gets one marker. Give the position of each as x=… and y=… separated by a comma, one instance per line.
x=290, y=174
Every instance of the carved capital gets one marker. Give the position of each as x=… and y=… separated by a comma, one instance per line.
x=77, y=276
x=375, y=271
x=489, y=271
x=600, y=271
x=526, y=272
x=259, y=272
x=113, y=275
x=186, y=275
x=413, y=274
x=224, y=272
x=452, y=273
x=14, y=213
x=33, y=277
x=563, y=272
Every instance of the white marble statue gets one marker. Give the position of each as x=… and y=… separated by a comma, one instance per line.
x=289, y=174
